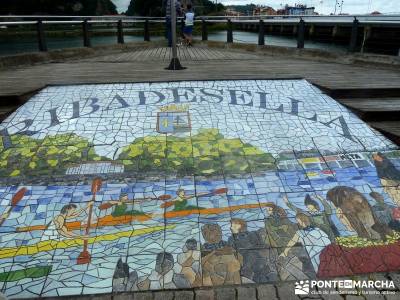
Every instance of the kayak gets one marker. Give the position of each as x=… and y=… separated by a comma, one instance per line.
x=108, y=220
x=33, y=272
x=50, y=245
x=210, y=211
x=121, y=220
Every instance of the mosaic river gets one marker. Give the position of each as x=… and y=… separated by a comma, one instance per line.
x=125, y=187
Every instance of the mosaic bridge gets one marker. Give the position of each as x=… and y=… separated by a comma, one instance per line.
x=126, y=187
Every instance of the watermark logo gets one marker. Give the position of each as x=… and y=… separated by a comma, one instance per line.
x=306, y=287
x=302, y=287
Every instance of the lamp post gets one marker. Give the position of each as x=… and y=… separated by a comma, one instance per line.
x=175, y=63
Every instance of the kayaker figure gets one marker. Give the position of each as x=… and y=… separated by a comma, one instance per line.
x=57, y=229
x=121, y=207
x=181, y=200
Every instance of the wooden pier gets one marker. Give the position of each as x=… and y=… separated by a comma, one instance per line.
x=370, y=90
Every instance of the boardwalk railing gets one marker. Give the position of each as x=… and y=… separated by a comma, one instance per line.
x=297, y=21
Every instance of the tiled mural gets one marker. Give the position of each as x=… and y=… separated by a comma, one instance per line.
x=126, y=187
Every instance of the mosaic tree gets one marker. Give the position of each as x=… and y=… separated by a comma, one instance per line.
x=29, y=156
x=206, y=153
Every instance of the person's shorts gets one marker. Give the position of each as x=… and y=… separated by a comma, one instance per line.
x=188, y=30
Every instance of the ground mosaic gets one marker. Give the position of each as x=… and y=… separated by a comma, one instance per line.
x=148, y=186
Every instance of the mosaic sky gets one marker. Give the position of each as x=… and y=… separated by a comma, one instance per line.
x=148, y=186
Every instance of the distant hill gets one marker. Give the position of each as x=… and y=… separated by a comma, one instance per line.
x=57, y=7
x=156, y=8
x=245, y=9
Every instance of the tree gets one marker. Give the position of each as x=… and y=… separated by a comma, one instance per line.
x=155, y=8
x=146, y=8
x=57, y=7
x=207, y=7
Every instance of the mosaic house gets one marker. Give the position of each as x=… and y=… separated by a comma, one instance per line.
x=149, y=186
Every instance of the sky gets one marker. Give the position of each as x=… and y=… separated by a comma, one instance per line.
x=322, y=6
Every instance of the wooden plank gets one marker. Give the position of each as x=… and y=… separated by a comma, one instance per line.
x=390, y=129
x=373, y=104
x=389, y=126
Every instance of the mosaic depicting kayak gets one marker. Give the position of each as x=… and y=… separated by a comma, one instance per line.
x=132, y=187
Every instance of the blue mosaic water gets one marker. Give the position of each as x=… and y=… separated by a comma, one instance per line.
x=41, y=204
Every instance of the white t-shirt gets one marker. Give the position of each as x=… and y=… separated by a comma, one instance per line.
x=189, y=18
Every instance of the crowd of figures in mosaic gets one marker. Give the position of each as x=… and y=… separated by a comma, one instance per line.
x=185, y=184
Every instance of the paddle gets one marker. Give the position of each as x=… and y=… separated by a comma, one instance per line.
x=84, y=257
x=105, y=206
x=14, y=201
x=215, y=192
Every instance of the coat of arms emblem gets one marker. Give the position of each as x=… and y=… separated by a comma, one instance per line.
x=174, y=119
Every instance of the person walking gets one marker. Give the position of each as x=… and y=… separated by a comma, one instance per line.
x=189, y=23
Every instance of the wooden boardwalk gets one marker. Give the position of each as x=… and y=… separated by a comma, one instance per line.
x=184, y=53
x=354, y=84
x=148, y=65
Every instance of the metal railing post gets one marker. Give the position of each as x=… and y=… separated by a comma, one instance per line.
x=229, y=36
x=261, y=34
x=354, y=35
x=86, y=34
x=300, y=34
x=146, y=31
x=182, y=25
x=204, y=33
x=120, y=32
x=41, y=36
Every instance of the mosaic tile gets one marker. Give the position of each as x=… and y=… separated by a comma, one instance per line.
x=192, y=183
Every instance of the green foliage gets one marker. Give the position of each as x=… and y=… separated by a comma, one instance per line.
x=156, y=8
x=245, y=9
x=53, y=154
x=393, y=154
x=207, y=7
x=206, y=153
x=146, y=8
x=58, y=7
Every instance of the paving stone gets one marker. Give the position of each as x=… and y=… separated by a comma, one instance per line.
x=204, y=294
x=246, y=293
x=266, y=292
x=392, y=297
x=310, y=297
x=143, y=296
x=92, y=297
x=225, y=293
x=396, y=279
x=102, y=297
x=126, y=296
x=354, y=297
x=286, y=291
x=184, y=295
x=164, y=295
x=332, y=297
x=374, y=297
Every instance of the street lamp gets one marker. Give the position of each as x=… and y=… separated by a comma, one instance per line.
x=175, y=63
